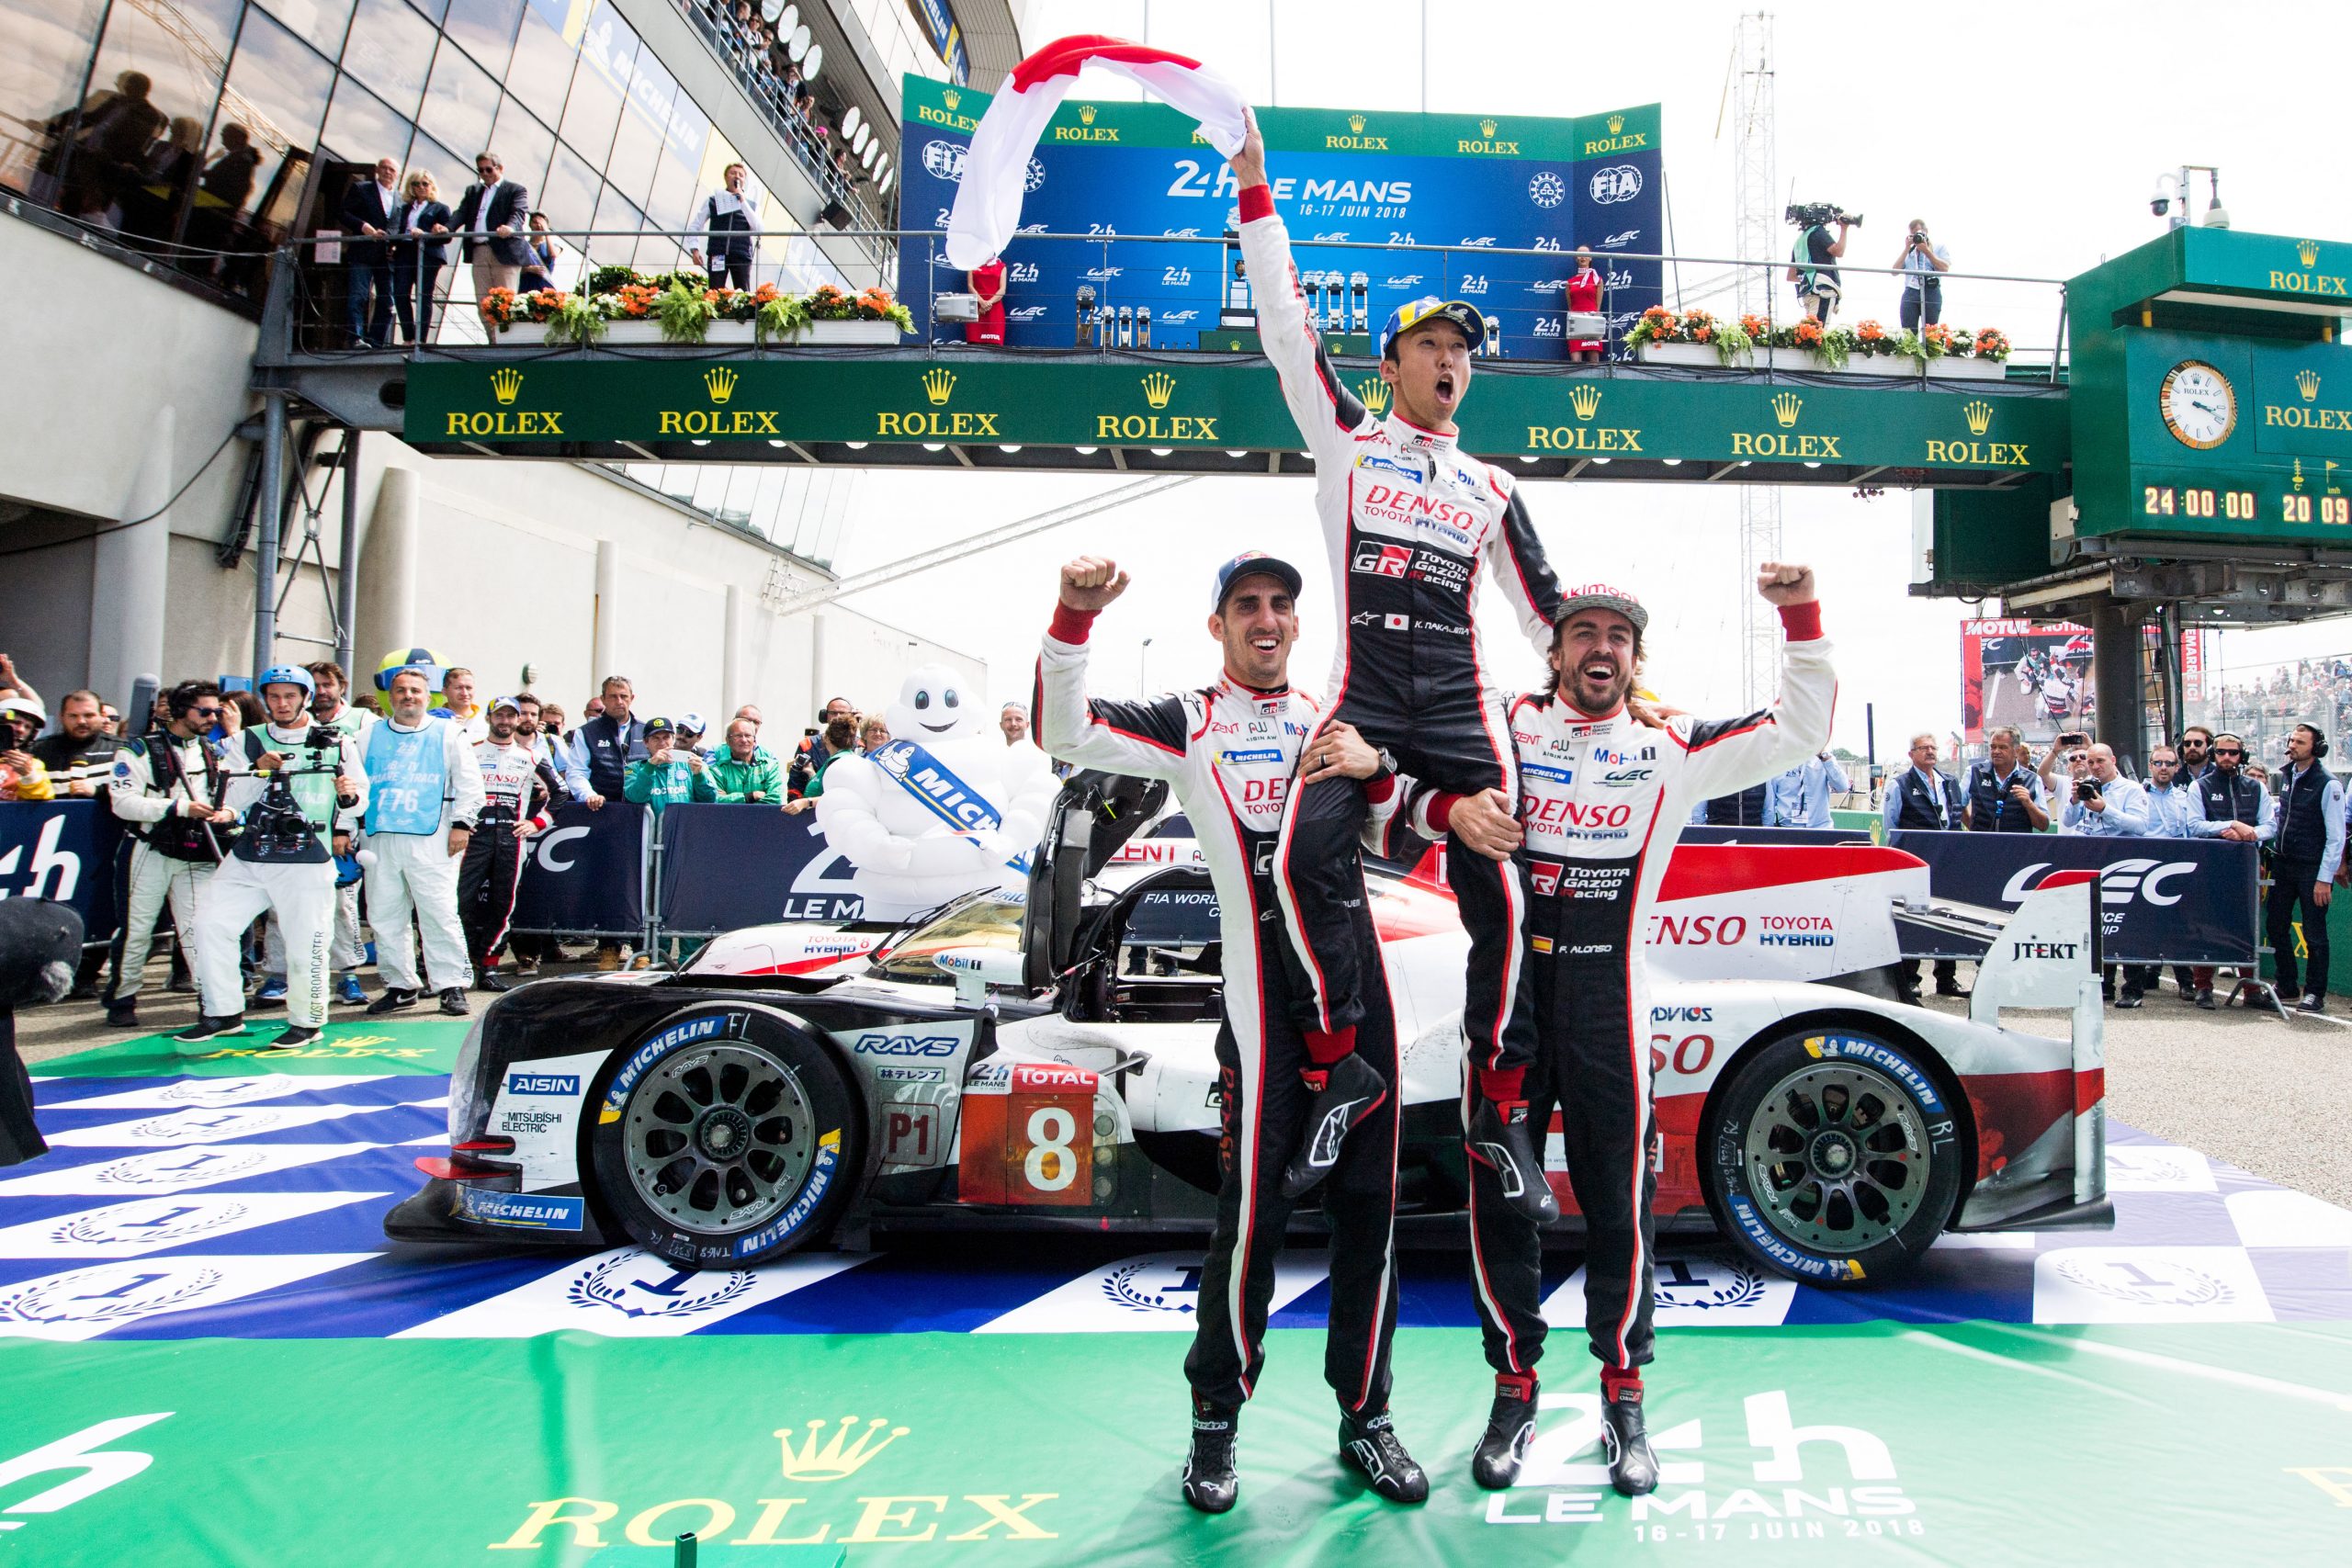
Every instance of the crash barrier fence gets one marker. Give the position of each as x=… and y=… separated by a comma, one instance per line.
x=621, y=872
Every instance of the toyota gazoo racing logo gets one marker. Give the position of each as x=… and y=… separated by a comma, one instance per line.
x=1383, y=560
x=1543, y=876
x=1547, y=189
x=944, y=160
x=1619, y=182
x=2119, y=881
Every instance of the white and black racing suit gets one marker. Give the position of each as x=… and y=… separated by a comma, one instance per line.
x=1409, y=523
x=1604, y=801
x=514, y=790
x=1230, y=752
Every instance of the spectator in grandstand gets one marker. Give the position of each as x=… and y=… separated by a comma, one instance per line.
x=840, y=738
x=691, y=726
x=2004, y=795
x=1922, y=264
x=80, y=757
x=1012, y=723
x=746, y=773
x=457, y=705
x=873, y=733
x=1923, y=799
x=670, y=774
x=750, y=711
x=813, y=751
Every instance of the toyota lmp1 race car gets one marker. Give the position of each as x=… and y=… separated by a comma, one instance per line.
x=1018, y=1059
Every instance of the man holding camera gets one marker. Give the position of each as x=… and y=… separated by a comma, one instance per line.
x=165, y=790
x=424, y=797
x=1921, y=264
x=1810, y=264
x=297, y=781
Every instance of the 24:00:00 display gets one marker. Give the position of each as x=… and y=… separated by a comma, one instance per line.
x=2238, y=505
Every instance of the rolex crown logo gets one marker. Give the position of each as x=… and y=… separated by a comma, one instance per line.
x=2307, y=383
x=504, y=382
x=1157, y=388
x=1355, y=123
x=937, y=384
x=1375, y=392
x=1979, y=414
x=1785, y=407
x=2309, y=251
x=842, y=1456
x=1486, y=127
x=951, y=98
x=721, y=382
x=1086, y=114
x=1585, y=398
x=1616, y=123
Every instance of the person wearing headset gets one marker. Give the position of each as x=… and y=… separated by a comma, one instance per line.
x=2306, y=820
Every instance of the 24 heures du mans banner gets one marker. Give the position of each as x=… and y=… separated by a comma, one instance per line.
x=557, y=401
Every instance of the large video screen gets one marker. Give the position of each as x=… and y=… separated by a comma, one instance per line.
x=2035, y=675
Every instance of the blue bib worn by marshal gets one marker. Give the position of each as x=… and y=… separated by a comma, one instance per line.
x=408, y=778
x=936, y=788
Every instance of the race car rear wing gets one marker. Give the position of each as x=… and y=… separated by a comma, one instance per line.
x=2046, y=954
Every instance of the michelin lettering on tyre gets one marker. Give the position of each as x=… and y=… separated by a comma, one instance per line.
x=1889, y=1062
x=1804, y=1263
x=820, y=1180
x=706, y=1026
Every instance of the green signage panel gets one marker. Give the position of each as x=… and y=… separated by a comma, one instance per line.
x=759, y=402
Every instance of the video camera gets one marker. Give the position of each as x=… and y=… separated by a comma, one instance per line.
x=1817, y=214
x=275, y=828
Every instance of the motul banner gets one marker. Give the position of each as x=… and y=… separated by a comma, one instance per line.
x=2161, y=900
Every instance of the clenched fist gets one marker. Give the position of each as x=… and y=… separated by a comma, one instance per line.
x=1090, y=582
x=1784, y=582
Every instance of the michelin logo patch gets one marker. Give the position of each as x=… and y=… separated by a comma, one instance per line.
x=524, y=1211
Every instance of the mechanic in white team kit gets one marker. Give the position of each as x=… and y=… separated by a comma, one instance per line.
x=1603, y=798
x=424, y=797
x=297, y=789
x=165, y=790
x=1230, y=749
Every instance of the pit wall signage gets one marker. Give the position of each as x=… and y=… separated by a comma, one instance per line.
x=538, y=408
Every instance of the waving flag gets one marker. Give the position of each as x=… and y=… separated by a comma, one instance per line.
x=988, y=203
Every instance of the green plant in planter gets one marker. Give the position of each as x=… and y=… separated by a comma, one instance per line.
x=685, y=314
x=609, y=279
x=781, y=319
x=1835, y=346
x=580, y=320
x=1732, y=343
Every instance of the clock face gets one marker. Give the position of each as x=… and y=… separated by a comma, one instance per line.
x=2199, y=407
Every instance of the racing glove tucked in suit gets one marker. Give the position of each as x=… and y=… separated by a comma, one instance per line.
x=1230, y=752
x=1409, y=521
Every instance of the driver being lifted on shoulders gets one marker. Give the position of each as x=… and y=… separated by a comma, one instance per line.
x=1410, y=522
x=1603, y=798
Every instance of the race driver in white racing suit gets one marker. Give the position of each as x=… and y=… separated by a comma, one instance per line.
x=1603, y=798
x=1411, y=524
x=1229, y=749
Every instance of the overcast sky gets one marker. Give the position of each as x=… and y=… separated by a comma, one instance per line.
x=2029, y=135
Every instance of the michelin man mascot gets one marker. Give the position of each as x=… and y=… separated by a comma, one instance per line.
x=944, y=808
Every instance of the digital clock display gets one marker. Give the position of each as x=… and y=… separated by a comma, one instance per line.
x=2229, y=504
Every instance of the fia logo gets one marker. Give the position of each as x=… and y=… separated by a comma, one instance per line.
x=633, y=1284
x=1619, y=182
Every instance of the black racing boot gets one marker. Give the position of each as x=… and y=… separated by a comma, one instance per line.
x=1211, y=1482
x=1368, y=1445
x=1501, y=1141
x=1633, y=1468
x=1510, y=1425
x=1351, y=1090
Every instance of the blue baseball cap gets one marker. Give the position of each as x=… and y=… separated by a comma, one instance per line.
x=1251, y=563
x=1413, y=312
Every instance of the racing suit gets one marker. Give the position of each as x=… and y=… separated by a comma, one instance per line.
x=1408, y=522
x=1605, y=799
x=419, y=789
x=1230, y=752
x=154, y=779
x=514, y=792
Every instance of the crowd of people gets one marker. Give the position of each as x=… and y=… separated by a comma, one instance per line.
x=263, y=886
x=762, y=56
x=2265, y=707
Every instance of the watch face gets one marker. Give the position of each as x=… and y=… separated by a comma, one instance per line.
x=2197, y=405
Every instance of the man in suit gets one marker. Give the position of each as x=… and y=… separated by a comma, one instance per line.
x=368, y=212
x=493, y=215
x=422, y=251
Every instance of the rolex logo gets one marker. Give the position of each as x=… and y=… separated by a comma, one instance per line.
x=1086, y=114
x=937, y=384
x=1979, y=414
x=1375, y=392
x=504, y=382
x=1156, y=388
x=842, y=1456
x=1355, y=123
x=1785, y=407
x=2309, y=251
x=951, y=98
x=1616, y=123
x=2307, y=383
x=1585, y=398
x=1486, y=127
x=721, y=382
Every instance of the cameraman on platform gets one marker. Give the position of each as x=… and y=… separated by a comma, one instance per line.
x=298, y=780
x=1923, y=291
x=1818, y=281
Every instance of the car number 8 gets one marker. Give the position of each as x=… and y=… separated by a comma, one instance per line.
x=1051, y=1128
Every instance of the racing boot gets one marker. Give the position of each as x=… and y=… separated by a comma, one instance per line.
x=1510, y=1425
x=1211, y=1482
x=1368, y=1446
x=1502, y=1142
x=1633, y=1468
x=1350, y=1091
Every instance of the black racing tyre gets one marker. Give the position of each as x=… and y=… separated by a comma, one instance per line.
x=1834, y=1156
x=727, y=1136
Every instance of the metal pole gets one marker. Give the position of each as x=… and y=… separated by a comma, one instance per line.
x=346, y=560
x=272, y=497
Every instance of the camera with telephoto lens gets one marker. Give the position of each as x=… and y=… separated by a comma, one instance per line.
x=1818, y=214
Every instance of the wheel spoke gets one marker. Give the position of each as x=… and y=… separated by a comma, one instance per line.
x=718, y=1146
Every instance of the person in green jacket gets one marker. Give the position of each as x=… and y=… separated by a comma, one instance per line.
x=667, y=774
x=747, y=772
x=839, y=740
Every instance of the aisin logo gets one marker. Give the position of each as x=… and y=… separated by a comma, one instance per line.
x=504, y=382
x=937, y=385
x=1547, y=190
x=721, y=382
x=1786, y=406
x=843, y=1456
x=1157, y=388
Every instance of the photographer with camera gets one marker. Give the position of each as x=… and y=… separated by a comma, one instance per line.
x=1810, y=268
x=1923, y=291
x=165, y=791
x=2102, y=803
x=295, y=781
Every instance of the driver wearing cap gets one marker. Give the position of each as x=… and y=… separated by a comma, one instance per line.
x=1604, y=797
